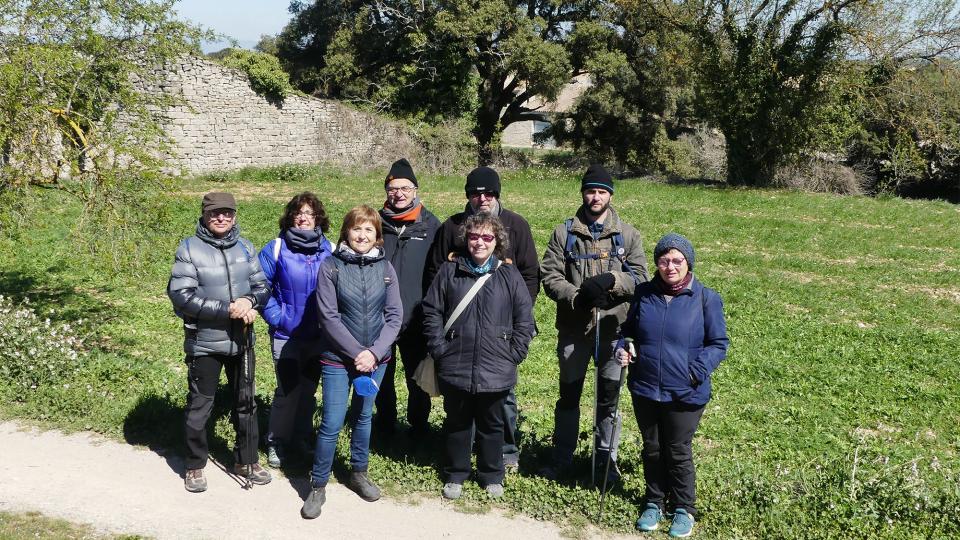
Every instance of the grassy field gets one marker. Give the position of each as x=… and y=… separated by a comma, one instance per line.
x=834, y=415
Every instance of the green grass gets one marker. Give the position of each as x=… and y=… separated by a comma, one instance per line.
x=33, y=525
x=834, y=415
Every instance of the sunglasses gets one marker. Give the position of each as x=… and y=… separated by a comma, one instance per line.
x=485, y=237
x=665, y=262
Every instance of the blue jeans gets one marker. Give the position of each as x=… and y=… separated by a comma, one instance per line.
x=337, y=382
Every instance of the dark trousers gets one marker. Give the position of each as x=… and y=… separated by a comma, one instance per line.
x=203, y=377
x=667, y=430
x=464, y=412
x=413, y=349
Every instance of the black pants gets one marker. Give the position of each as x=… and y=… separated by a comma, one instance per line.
x=667, y=430
x=413, y=349
x=464, y=412
x=203, y=376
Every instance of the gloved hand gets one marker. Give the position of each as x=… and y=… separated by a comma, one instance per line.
x=594, y=292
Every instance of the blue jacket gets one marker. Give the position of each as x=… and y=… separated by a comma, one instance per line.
x=678, y=344
x=291, y=310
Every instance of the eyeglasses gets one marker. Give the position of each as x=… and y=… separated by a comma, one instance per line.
x=487, y=196
x=665, y=262
x=485, y=237
x=406, y=190
x=305, y=213
x=224, y=213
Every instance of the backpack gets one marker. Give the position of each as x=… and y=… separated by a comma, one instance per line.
x=618, y=251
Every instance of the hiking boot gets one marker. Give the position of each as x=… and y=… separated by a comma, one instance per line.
x=253, y=472
x=193, y=481
x=682, y=525
x=360, y=483
x=511, y=462
x=494, y=490
x=650, y=518
x=314, y=503
x=613, y=475
x=452, y=491
x=275, y=456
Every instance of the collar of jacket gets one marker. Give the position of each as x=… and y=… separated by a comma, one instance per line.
x=464, y=267
x=610, y=227
x=225, y=242
x=347, y=255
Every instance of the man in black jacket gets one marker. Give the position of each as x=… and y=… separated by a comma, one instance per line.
x=216, y=286
x=483, y=195
x=408, y=231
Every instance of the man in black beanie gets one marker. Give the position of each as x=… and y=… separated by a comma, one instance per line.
x=408, y=232
x=593, y=262
x=483, y=195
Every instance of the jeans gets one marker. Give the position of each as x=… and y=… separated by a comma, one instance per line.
x=297, y=364
x=203, y=376
x=667, y=430
x=337, y=382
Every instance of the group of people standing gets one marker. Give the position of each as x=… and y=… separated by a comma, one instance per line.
x=459, y=294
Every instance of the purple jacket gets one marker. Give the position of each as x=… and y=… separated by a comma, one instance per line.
x=291, y=310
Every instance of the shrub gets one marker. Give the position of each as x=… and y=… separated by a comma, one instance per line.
x=35, y=352
x=266, y=76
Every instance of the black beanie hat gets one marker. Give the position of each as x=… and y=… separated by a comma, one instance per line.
x=674, y=241
x=401, y=169
x=597, y=177
x=482, y=180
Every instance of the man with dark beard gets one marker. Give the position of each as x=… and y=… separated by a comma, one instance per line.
x=408, y=232
x=592, y=264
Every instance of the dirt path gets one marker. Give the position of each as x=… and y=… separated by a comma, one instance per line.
x=119, y=488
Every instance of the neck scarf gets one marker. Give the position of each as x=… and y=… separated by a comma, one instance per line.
x=409, y=215
x=224, y=242
x=479, y=270
x=303, y=241
x=672, y=290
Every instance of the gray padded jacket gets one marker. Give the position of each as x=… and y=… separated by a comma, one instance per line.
x=209, y=273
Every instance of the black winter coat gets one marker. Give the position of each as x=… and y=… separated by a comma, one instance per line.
x=481, y=351
x=522, y=250
x=406, y=246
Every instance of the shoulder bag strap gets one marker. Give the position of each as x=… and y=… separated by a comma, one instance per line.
x=466, y=299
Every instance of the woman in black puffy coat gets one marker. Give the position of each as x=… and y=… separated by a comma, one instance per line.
x=478, y=353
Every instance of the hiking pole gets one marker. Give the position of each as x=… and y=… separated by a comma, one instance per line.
x=596, y=398
x=245, y=394
x=628, y=345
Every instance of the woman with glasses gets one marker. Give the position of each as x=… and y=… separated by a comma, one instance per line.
x=291, y=262
x=478, y=324
x=675, y=335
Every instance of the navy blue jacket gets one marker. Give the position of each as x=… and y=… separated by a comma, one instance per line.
x=291, y=311
x=678, y=344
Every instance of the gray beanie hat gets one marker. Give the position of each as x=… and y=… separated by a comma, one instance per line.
x=674, y=241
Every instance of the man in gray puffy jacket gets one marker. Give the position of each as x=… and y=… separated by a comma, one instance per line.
x=216, y=286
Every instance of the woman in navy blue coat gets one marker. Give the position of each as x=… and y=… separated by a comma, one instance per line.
x=679, y=336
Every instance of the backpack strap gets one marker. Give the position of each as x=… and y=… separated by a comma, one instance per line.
x=276, y=250
x=618, y=251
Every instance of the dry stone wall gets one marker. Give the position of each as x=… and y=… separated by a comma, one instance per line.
x=223, y=124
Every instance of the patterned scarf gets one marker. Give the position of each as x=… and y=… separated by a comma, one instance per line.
x=672, y=290
x=404, y=216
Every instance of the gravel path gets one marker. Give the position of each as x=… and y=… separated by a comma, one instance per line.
x=118, y=488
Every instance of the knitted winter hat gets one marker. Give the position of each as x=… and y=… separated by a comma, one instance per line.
x=401, y=169
x=674, y=241
x=597, y=177
x=482, y=180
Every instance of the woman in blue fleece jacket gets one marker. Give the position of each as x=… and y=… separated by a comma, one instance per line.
x=291, y=262
x=679, y=337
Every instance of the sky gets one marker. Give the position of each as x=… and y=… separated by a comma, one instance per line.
x=243, y=20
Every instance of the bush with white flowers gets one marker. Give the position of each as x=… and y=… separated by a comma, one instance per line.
x=35, y=352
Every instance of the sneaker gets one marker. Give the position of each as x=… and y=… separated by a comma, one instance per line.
x=360, y=483
x=275, y=456
x=650, y=518
x=452, y=491
x=194, y=482
x=314, y=503
x=495, y=490
x=682, y=525
x=253, y=472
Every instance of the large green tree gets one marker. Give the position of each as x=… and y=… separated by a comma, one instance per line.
x=73, y=113
x=443, y=58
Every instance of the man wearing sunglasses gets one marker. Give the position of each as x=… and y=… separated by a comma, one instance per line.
x=216, y=286
x=593, y=262
x=483, y=195
x=408, y=232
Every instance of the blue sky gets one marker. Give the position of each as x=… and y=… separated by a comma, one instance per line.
x=243, y=20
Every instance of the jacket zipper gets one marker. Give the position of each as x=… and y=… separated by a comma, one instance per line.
x=663, y=324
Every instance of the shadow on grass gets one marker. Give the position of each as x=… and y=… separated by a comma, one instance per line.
x=157, y=423
x=48, y=292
